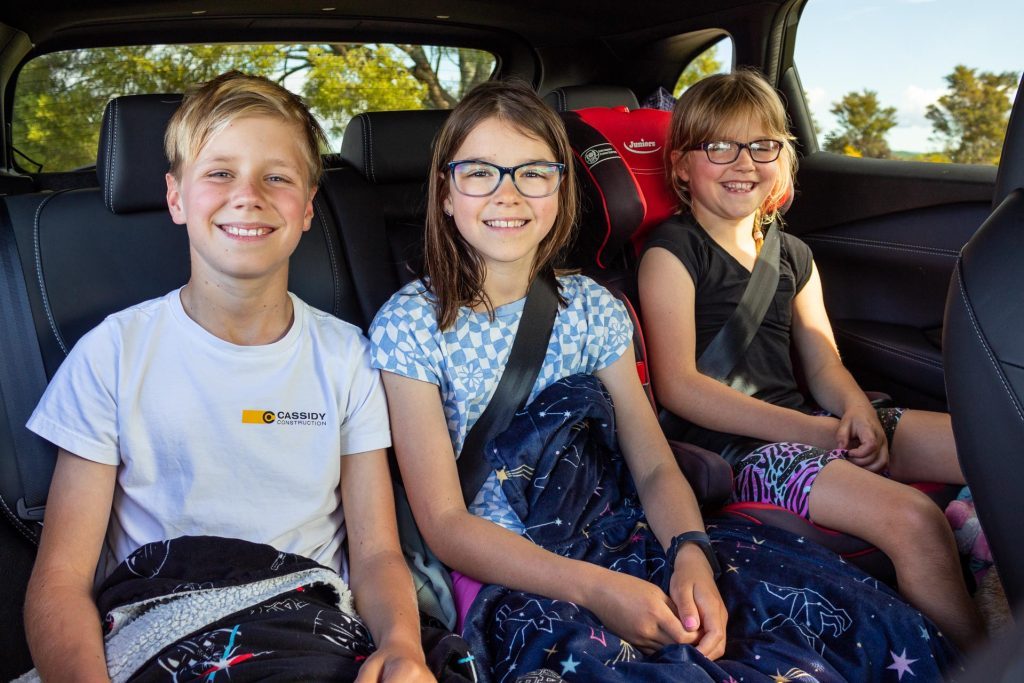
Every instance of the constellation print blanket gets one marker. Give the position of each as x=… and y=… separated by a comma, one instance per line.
x=796, y=611
x=203, y=608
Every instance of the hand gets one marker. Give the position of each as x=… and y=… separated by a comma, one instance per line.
x=823, y=433
x=861, y=434
x=697, y=600
x=638, y=611
x=395, y=663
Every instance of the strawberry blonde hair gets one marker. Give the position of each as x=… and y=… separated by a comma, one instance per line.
x=710, y=104
x=455, y=272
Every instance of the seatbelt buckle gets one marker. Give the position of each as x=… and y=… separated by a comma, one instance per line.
x=30, y=514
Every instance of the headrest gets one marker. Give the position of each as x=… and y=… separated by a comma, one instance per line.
x=622, y=180
x=1010, y=175
x=131, y=163
x=570, y=97
x=392, y=146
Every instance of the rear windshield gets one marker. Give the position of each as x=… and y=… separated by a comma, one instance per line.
x=60, y=96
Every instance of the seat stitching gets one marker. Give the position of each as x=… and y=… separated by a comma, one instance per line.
x=19, y=524
x=107, y=191
x=369, y=137
x=984, y=343
x=892, y=349
x=891, y=246
x=39, y=272
x=113, y=160
x=334, y=263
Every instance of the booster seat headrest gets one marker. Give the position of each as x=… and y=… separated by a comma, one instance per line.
x=573, y=97
x=130, y=163
x=621, y=154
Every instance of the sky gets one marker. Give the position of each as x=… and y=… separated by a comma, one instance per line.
x=902, y=49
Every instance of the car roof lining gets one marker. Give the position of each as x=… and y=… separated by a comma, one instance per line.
x=639, y=44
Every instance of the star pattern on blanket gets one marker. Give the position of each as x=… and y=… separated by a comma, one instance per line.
x=901, y=664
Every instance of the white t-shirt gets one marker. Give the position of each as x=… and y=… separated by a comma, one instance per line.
x=211, y=438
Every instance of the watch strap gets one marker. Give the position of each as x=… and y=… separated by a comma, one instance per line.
x=700, y=539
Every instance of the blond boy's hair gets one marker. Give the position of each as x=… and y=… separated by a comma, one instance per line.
x=207, y=108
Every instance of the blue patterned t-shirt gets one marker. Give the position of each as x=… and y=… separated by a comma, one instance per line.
x=466, y=361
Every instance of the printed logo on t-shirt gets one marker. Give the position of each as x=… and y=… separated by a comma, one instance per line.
x=284, y=417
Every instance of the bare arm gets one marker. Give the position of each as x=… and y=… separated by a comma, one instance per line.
x=668, y=295
x=831, y=384
x=635, y=609
x=380, y=579
x=61, y=620
x=669, y=503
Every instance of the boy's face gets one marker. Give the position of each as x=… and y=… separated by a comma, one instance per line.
x=245, y=199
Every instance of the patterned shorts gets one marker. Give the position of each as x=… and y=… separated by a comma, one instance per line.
x=782, y=473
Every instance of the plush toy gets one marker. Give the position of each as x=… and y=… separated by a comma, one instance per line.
x=970, y=539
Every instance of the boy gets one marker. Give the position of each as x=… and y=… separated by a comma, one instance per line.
x=153, y=411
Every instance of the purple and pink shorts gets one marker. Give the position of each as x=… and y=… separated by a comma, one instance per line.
x=782, y=473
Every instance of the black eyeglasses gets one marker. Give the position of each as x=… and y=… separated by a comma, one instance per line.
x=533, y=179
x=727, y=151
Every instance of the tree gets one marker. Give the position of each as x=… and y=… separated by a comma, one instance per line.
x=705, y=64
x=971, y=117
x=61, y=96
x=863, y=125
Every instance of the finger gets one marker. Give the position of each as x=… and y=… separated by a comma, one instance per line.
x=370, y=671
x=686, y=608
x=843, y=435
x=712, y=644
x=670, y=626
x=714, y=618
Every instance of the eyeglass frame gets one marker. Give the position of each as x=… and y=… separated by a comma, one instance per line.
x=740, y=146
x=510, y=171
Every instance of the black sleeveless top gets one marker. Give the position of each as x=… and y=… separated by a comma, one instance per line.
x=766, y=369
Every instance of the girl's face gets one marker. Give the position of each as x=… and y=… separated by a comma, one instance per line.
x=726, y=196
x=505, y=227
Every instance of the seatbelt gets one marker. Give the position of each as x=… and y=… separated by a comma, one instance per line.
x=521, y=370
x=729, y=345
x=22, y=382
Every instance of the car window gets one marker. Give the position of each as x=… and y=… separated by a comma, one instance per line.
x=716, y=59
x=928, y=80
x=60, y=96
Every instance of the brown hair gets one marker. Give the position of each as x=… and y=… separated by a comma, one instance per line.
x=455, y=271
x=208, y=107
x=708, y=105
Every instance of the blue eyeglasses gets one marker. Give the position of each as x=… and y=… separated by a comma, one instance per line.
x=535, y=179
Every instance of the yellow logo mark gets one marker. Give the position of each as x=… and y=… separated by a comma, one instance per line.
x=258, y=417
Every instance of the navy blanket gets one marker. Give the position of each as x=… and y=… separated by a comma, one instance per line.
x=796, y=611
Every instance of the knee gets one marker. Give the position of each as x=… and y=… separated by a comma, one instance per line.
x=919, y=523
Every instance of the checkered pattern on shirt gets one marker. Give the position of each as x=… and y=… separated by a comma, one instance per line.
x=466, y=361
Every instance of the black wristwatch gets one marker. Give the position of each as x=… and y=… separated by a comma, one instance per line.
x=701, y=540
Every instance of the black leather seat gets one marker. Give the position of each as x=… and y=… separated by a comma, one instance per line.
x=983, y=351
x=379, y=199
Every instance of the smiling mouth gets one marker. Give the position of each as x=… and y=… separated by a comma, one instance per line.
x=240, y=231
x=506, y=223
x=737, y=186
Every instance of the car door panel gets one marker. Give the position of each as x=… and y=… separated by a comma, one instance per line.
x=885, y=235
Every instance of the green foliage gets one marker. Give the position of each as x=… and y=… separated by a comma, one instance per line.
x=344, y=80
x=705, y=64
x=971, y=118
x=60, y=98
x=863, y=125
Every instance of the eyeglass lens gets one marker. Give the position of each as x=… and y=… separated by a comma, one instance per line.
x=479, y=178
x=727, y=151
